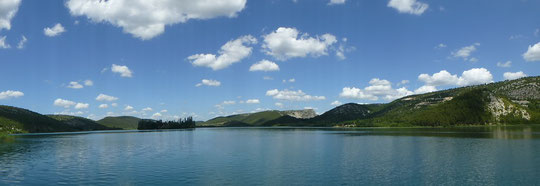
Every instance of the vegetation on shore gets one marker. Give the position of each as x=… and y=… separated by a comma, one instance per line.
x=159, y=124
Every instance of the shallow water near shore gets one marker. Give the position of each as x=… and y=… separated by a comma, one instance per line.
x=276, y=156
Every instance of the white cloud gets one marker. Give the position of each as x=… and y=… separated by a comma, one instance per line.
x=156, y=115
x=102, y=106
x=229, y=102
x=232, y=52
x=514, y=75
x=209, y=82
x=103, y=97
x=8, y=9
x=336, y=2
x=21, y=43
x=425, y=89
x=533, y=53
x=441, y=45
x=10, y=94
x=63, y=103
x=114, y=104
x=441, y=78
x=291, y=95
x=122, y=70
x=82, y=105
x=164, y=111
x=466, y=52
x=75, y=85
x=88, y=82
x=253, y=101
x=278, y=104
x=284, y=44
x=379, y=88
x=268, y=78
x=505, y=64
x=3, y=43
x=56, y=30
x=264, y=65
x=473, y=76
x=408, y=6
x=336, y=103
x=147, y=109
x=147, y=19
x=473, y=59
x=128, y=107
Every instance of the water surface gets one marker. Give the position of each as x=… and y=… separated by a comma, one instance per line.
x=277, y=156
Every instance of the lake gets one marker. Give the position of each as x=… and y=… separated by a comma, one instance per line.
x=277, y=156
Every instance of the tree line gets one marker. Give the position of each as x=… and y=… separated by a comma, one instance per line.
x=159, y=124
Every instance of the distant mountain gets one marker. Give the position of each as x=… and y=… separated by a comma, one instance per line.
x=80, y=123
x=257, y=119
x=123, y=122
x=506, y=102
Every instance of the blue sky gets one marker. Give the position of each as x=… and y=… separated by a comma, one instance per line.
x=209, y=58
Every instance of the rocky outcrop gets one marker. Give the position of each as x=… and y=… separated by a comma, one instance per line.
x=500, y=108
x=300, y=114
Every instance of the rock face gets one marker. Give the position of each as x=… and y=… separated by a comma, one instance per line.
x=300, y=114
x=500, y=108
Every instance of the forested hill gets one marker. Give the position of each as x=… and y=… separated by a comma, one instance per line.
x=505, y=102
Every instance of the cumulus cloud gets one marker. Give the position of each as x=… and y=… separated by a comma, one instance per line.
x=122, y=70
x=56, y=30
x=8, y=9
x=336, y=2
x=3, y=43
x=229, y=102
x=156, y=115
x=147, y=19
x=285, y=43
x=408, y=6
x=425, y=89
x=533, y=53
x=75, y=85
x=82, y=105
x=291, y=95
x=379, y=88
x=114, y=104
x=253, y=101
x=336, y=103
x=10, y=94
x=473, y=76
x=264, y=65
x=232, y=52
x=128, y=108
x=104, y=97
x=466, y=52
x=147, y=109
x=102, y=106
x=21, y=43
x=278, y=104
x=63, y=103
x=505, y=64
x=88, y=82
x=209, y=82
x=514, y=75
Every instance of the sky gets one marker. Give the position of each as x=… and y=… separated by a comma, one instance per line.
x=167, y=59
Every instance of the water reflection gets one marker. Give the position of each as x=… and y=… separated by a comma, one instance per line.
x=494, y=132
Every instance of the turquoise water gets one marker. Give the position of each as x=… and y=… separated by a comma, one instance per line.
x=276, y=156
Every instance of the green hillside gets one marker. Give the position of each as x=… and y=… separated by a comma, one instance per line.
x=123, y=122
x=506, y=102
x=80, y=123
x=18, y=120
x=252, y=119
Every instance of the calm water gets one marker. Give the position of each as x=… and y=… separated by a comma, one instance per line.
x=277, y=156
